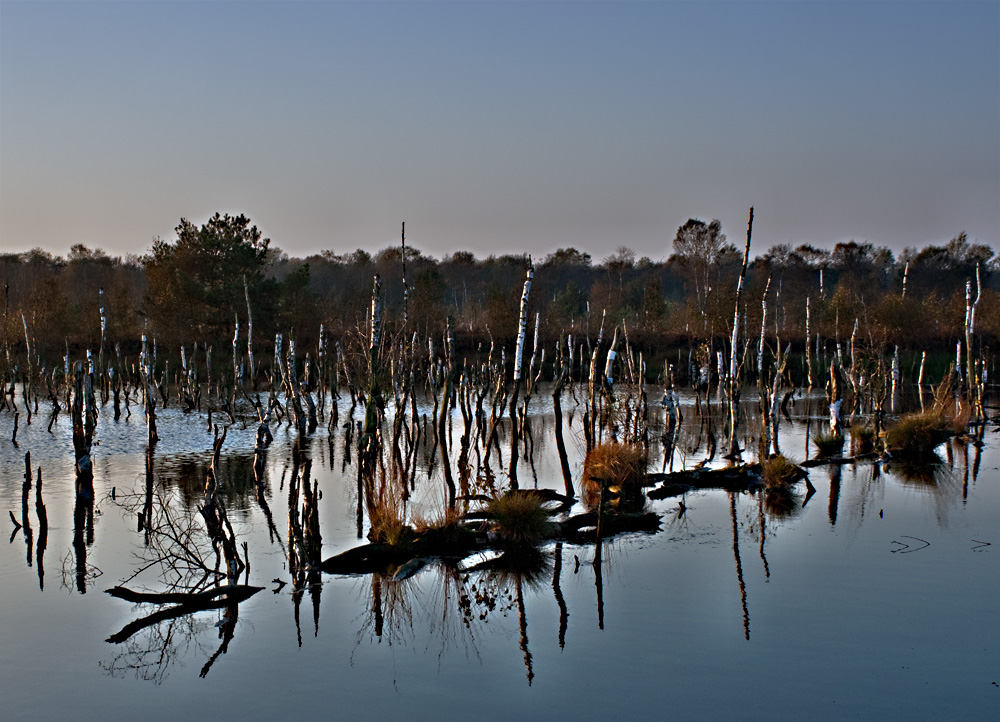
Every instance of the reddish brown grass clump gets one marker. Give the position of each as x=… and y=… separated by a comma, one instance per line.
x=619, y=469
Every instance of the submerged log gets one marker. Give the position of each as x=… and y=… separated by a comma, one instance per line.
x=732, y=478
x=743, y=477
x=582, y=528
x=463, y=540
x=871, y=456
x=459, y=542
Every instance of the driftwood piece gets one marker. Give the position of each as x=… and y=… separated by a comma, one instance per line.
x=184, y=604
x=232, y=592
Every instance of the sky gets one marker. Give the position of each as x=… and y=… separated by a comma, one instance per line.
x=499, y=127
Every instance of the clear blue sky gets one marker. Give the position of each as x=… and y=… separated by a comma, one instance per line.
x=499, y=127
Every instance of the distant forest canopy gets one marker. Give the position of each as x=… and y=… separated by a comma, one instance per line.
x=194, y=289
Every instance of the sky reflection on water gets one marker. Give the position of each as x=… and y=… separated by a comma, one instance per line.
x=874, y=597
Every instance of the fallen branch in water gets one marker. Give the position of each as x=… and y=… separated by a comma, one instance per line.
x=238, y=592
x=184, y=604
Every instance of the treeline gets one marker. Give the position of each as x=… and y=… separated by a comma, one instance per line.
x=198, y=287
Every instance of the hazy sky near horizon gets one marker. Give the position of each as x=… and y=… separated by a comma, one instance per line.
x=499, y=127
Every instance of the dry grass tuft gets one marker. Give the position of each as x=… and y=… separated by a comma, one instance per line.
x=918, y=434
x=618, y=468
x=442, y=519
x=386, y=512
x=443, y=527
x=779, y=472
x=828, y=444
x=862, y=439
x=519, y=520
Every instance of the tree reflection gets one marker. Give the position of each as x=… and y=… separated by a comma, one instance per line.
x=305, y=544
x=83, y=537
x=461, y=603
x=178, y=548
x=43, y=532
x=25, y=523
x=560, y=600
x=500, y=584
x=151, y=654
x=739, y=565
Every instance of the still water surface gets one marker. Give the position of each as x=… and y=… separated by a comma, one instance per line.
x=875, y=598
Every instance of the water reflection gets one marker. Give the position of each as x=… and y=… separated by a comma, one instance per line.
x=455, y=603
x=150, y=654
x=187, y=475
x=781, y=502
x=179, y=549
x=153, y=642
x=43, y=531
x=919, y=473
x=305, y=545
x=557, y=590
x=835, y=478
x=83, y=536
x=739, y=565
x=460, y=601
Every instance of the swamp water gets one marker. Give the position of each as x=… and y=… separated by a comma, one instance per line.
x=877, y=597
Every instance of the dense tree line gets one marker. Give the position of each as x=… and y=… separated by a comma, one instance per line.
x=196, y=288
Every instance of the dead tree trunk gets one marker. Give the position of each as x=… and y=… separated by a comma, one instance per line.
x=734, y=380
x=522, y=329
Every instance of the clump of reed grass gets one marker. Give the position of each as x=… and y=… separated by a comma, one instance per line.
x=918, y=434
x=442, y=519
x=958, y=420
x=519, y=519
x=386, y=513
x=444, y=526
x=862, y=439
x=780, y=472
x=616, y=468
x=828, y=444
x=390, y=530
